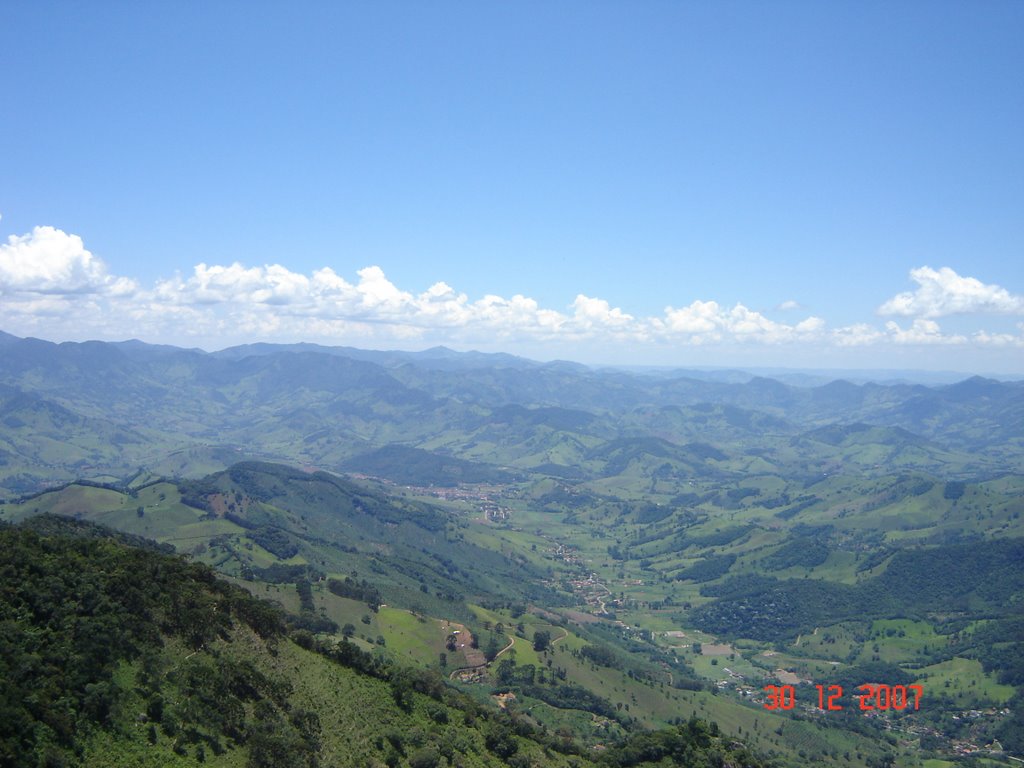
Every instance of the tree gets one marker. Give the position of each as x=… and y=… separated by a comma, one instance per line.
x=498, y=739
x=541, y=640
x=348, y=630
x=505, y=672
x=491, y=649
x=425, y=757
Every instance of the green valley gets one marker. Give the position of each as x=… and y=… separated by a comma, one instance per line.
x=598, y=561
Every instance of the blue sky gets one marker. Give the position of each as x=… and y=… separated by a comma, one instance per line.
x=738, y=183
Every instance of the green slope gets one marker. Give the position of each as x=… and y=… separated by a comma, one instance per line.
x=151, y=661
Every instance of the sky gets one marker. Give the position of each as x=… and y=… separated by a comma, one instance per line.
x=787, y=184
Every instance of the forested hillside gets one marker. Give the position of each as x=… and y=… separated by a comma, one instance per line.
x=117, y=655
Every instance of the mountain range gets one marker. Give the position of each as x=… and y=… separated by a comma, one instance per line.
x=101, y=410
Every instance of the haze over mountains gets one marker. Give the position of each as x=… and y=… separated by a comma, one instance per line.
x=102, y=410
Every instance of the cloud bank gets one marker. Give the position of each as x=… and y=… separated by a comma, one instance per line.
x=50, y=284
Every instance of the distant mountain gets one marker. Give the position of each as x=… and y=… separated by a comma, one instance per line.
x=435, y=357
x=860, y=433
x=413, y=466
x=322, y=406
x=624, y=454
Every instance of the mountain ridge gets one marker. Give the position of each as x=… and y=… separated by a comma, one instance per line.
x=301, y=404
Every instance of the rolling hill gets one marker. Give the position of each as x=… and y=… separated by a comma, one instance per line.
x=603, y=552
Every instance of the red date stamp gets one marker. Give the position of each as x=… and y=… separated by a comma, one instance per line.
x=871, y=697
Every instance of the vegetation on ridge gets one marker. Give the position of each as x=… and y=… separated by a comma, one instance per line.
x=146, y=659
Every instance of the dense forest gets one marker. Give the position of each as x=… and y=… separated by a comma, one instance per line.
x=960, y=577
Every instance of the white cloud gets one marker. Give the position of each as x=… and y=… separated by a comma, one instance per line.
x=518, y=317
x=377, y=292
x=701, y=318
x=921, y=331
x=51, y=285
x=986, y=339
x=943, y=292
x=857, y=335
x=746, y=323
x=707, y=321
x=810, y=325
x=591, y=314
x=273, y=285
x=375, y=300
x=48, y=260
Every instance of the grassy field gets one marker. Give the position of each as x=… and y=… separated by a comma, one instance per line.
x=965, y=682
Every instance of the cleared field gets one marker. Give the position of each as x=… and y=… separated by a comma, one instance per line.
x=417, y=639
x=965, y=682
